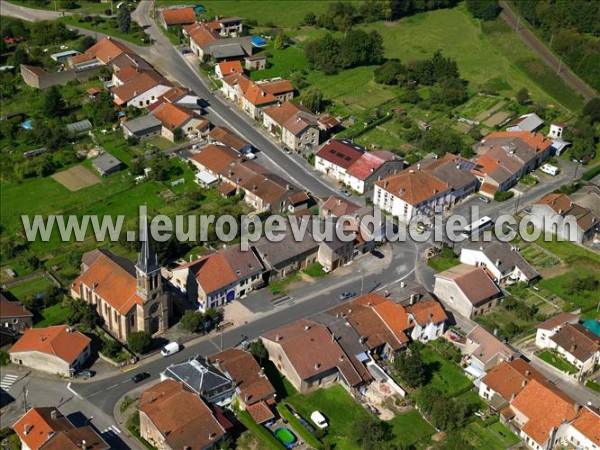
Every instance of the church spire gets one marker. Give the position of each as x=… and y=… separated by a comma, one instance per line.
x=147, y=259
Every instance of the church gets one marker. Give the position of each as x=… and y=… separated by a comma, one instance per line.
x=128, y=296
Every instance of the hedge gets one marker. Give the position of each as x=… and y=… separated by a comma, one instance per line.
x=306, y=435
x=259, y=431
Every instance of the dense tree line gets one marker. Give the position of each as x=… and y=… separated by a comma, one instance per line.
x=438, y=71
x=484, y=9
x=342, y=15
x=573, y=28
x=356, y=48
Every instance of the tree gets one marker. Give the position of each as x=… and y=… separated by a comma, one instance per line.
x=124, y=19
x=389, y=72
x=4, y=358
x=191, y=321
x=84, y=43
x=582, y=283
x=592, y=109
x=523, y=96
x=279, y=41
x=411, y=367
x=371, y=434
x=258, y=350
x=139, y=341
x=84, y=314
x=110, y=348
x=310, y=19
x=483, y=9
x=53, y=102
x=53, y=295
x=101, y=110
x=312, y=98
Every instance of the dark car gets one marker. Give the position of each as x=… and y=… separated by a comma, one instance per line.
x=377, y=254
x=347, y=295
x=86, y=373
x=484, y=199
x=140, y=377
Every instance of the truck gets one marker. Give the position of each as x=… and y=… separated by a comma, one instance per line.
x=549, y=169
x=170, y=349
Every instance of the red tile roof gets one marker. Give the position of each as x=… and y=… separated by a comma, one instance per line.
x=342, y=153
x=216, y=158
x=59, y=341
x=226, y=137
x=427, y=311
x=588, y=424
x=137, y=86
x=368, y=163
x=413, y=186
x=10, y=309
x=509, y=377
x=200, y=34
x=557, y=320
x=112, y=283
x=181, y=16
x=196, y=428
x=104, y=51
x=260, y=412
x=537, y=141
x=474, y=282
x=253, y=386
x=312, y=351
x=173, y=116
x=230, y=67
x=277, y=87
x=258, y=96
x=545, y=408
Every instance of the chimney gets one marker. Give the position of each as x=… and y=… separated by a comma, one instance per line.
x=419, y=166
x=413, y=297
x=211, y=436
x=341, y=358
x=83, y=445
x=524, y=383
x=332, y=337
x=54, y=414
x=27, y=429
x=572, y=347
x=277, y=338
x=349, y=310
x=402, y=284
x=498, y=262
x=306, y=327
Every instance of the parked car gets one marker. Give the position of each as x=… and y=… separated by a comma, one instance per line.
x=170, y=349
x=138, y=377
x=346, y=192
x=85, y=373
x=346, y=295
x=484, y=199
x=319, y=420
x=287, y=150
x=186, y=51
x=377, y=254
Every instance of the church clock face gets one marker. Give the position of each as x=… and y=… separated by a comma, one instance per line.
x=154, y=308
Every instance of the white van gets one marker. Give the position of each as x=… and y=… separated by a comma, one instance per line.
x=318, y=419
x=549, y=169
x=170, y=349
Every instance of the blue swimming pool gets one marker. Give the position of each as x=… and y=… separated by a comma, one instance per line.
x=28, y=124
x=257, y=41
x=592, y=325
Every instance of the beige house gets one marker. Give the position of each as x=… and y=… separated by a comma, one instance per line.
x=295, y=126
x=58, y=350
x=178, y=121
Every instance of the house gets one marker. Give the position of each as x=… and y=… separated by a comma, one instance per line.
x=335, y=206
x=254, y=391
x=502, y=383
x=128, y=296
x=527, y=122
x=102, y=53
x=143, y=127
x=107, y=164
x=335, y=252
x=177, y=17
x=427, y=320
x=467, y=290
x=547, y=329
x=577, y=345
x=142, y=90
x=501, y=261
x=505, y=157
x=172, y=417
x=280, y=88
x=206, y=42
x=307, y=354
x=411, y=193
x=13, y=316
x=256, y=62
x=485, y=351
x=203, y=379
x=370, y=167
x=234, y=86
x=225, y=68
x=226, y=26
x=200, y=36
x=539, y=409
x=178, y=121
x=584, y=431
x=214, y=159
x=294, y=125
x=225, y=136
x=58, y=350
x=336, y=156
x=453, y=170
x=255, y=99
x=218, y=278
x=46, y=428
x=289, y=255
x=559, y=214
x=178, y=96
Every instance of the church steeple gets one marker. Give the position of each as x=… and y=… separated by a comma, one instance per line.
x=147, y=267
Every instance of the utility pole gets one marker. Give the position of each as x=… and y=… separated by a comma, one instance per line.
x=362, y=283
x=559, y=65
x=518, y=21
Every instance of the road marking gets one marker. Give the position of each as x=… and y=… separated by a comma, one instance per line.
x=110, y=387
x=126, y=381
x=112, y=429
x=72, y=390
x=95, y=393
x=8, y=381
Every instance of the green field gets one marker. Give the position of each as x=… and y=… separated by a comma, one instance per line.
x=585, y=300
x=281, y=62
x=53, y=315
x=446, y=376
x=553, y=358
x=411, y=428
x=136, y=36
x=31, y=288
x=82, y=6
x=495, y=436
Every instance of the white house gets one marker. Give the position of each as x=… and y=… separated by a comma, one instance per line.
x=369, y=167
x=218, y=278
x=428, y=319
x=500, y=260
x=583, y=432
x=336, y=156
x=548, y=328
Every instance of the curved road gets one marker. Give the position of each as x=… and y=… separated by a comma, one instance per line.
x=532, y=41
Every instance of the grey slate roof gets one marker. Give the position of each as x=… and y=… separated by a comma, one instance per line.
x=142, y=124
x=227, y=51
x=506, y=254
x=106, y=162
x=527, y=122
x=201, y=377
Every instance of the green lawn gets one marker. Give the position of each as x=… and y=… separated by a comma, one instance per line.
x=31, y=288
x=593, y=385
x=446, y=376
x=53, y=315
x=340, y=409
x=281, y=62
x=264, y=435
x=557, y=361
x=444, y=260
x=585, y=300
x=81, y=6
x=495, y=436
x=483, y=57
x=136, y=36
x=410, y=428
x=315, y=271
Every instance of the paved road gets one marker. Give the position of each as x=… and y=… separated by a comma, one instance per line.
x=531, y=40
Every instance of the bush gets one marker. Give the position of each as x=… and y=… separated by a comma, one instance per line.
x=502, y=196
x=139, y=341
x=110, y=348
x=191, y=321
x=4, y=358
